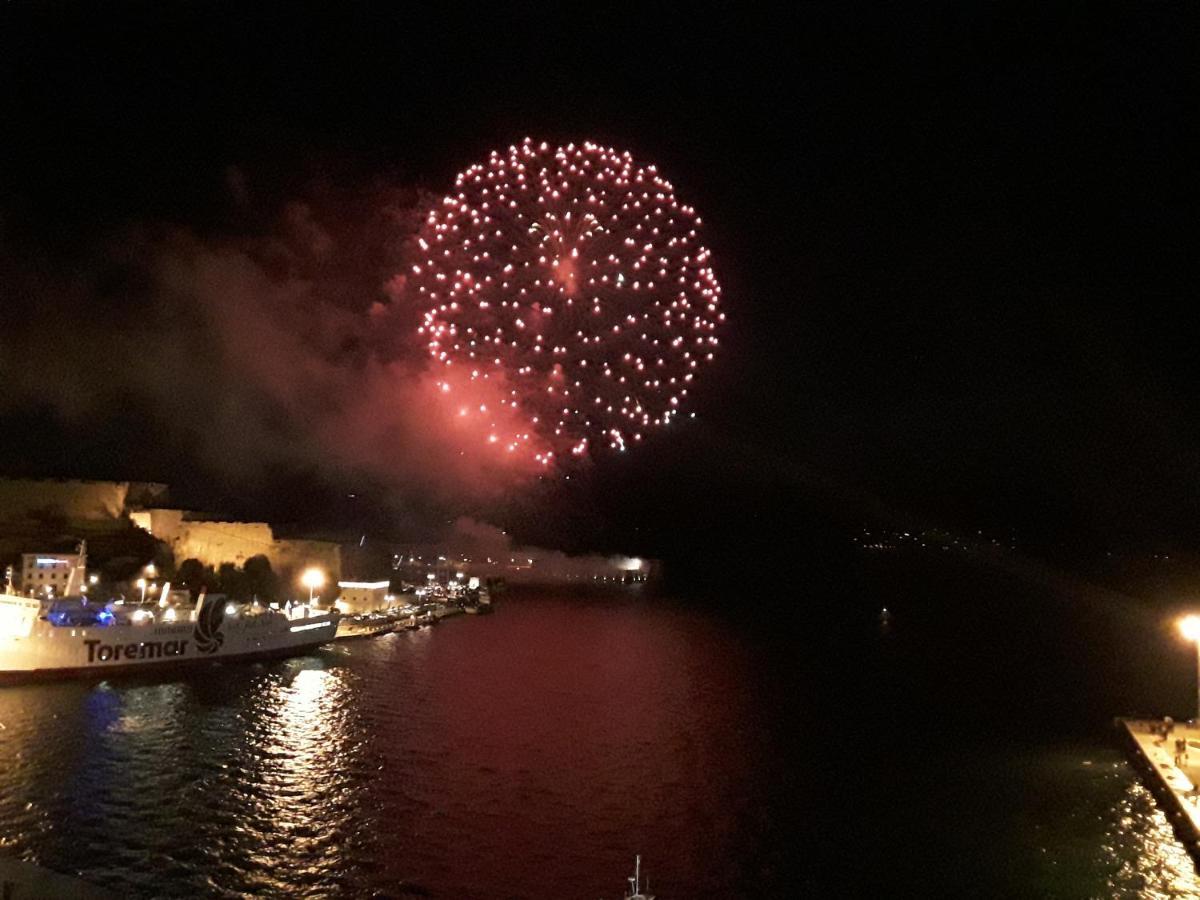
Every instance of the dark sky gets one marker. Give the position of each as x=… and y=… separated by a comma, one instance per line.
x=952, y=240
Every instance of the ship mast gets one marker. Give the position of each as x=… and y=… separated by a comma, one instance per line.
x=78, y=574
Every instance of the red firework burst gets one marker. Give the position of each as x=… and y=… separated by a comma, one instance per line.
x=573, y=282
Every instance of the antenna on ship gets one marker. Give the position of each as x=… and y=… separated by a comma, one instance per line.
x=78, y=574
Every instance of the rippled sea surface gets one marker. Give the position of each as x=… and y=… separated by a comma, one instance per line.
x=534, y=752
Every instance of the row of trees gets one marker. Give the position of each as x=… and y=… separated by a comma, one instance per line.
x=254, y=580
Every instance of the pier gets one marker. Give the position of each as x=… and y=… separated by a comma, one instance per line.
x=1174, y=780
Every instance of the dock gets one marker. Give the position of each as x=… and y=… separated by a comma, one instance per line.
x=1174, y=783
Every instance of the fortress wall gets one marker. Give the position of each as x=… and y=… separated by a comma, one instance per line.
x=216, y=542
x=98, y=503
x=164, y=524
x=88, y=500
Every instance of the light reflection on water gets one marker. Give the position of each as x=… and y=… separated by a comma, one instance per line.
x=1152, y=861
x=531, y=753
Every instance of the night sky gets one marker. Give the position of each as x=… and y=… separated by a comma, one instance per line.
x=952, y=241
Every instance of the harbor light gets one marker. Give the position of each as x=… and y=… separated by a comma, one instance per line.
x=313, y=579
x=1189, y=627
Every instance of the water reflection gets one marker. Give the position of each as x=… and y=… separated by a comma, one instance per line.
x=297, y=781
x=533, y=753
x=1151, y=861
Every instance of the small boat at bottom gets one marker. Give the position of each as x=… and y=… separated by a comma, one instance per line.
x=352, y=627
x=635, y=883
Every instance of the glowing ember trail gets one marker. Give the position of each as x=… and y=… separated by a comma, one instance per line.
x=568, y=285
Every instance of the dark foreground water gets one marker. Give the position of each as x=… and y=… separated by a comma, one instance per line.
x=960, y=752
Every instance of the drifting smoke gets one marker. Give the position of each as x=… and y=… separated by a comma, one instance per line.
x=285, y=348
x=302, y=341
x=492, y=551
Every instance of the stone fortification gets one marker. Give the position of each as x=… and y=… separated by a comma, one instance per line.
x=214, y=542
x=85, y=501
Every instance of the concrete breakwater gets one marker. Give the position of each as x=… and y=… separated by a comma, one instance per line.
x=1170, y=766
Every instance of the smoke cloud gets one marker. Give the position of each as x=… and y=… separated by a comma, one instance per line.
x=493, y=551
x=283, y=340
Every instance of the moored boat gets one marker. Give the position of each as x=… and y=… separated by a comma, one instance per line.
x=478, y=602
x=43, y=639
x=351, y=627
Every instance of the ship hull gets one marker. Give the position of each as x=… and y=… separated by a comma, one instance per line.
x=50, y=652
x=28, y=676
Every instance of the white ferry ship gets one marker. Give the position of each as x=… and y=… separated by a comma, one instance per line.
x=44, y=639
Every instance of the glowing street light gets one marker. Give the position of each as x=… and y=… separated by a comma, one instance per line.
x=141, y=582
x=1189, y=627
x=313, y=579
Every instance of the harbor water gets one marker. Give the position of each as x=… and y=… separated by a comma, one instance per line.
x=533, y=753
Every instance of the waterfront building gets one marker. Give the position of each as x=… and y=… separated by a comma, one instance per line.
x=47, y=573
x=363, y=596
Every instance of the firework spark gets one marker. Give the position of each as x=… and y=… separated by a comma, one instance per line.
x=573, y=284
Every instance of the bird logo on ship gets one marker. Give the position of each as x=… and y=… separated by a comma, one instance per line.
x=209, y=620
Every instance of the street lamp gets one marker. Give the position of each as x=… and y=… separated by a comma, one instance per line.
x=312, y=579
x=141, y=582
x=1189, y=627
